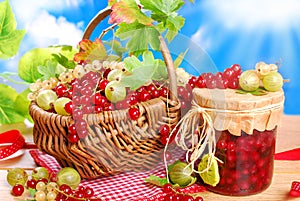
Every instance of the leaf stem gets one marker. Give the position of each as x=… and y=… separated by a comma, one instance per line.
x=6, y=76
x=107, y=30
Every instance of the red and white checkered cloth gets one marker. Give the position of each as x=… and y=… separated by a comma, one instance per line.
x=123, y=187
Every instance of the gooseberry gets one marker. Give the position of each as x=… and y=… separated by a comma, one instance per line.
x=17, y=176
x=39, y=173
x=249, y=80
x=182, y=174
x=115, y=92
x=273, y=81
x=68, y=176
x=46, y=99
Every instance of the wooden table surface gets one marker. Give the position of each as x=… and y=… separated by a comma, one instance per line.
x=285, y=172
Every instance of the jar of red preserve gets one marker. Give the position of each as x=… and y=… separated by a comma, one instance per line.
x=245, y=128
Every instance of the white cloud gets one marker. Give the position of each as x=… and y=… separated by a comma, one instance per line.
x=48, y=30
x=254, y=13
x=200, y=38
x=42, y=28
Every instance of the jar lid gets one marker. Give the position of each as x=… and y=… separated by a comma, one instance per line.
x=237, y=112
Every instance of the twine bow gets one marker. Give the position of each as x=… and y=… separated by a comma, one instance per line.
x=195, y=133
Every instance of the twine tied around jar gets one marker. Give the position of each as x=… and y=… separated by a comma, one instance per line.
x=194, y=144
x=196, y=132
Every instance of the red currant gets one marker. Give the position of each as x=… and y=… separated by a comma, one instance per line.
x=164, y=129
x=164, y=92
x=61, y=197
x=73, y=138
x=134, y=113
x=188, y=198
x=109, y=107
x=182, y=91
x=66, y=189
x=98, y=109
x=89, y=192
x=164, y=139
x=87, y=90
x=144, y=95
x=233, y=84
x=199, y=198
x=167, y=188
x=82, y=133
x=61, y=90
x=79, y=194
x=81, y=188
x=86, y=100
x=211, y=82
x=43, y=180
x=102, y=84
x=106, y=72
x=17, y=190
x=80, y=125
x=236, y=69
x=99, y=99
x=72, y=129
x=228, y=73
x=200, y=83
x=121, y=105
x=31, y=183
x=154, y=93
x=132, y=100
x=193, y=81
x=151, y=87
x=77, y=114
x=184, y=104
x=69, y=107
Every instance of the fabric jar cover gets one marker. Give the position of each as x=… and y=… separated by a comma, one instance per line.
x=237, y=112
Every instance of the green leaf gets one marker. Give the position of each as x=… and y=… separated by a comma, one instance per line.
x=132, y=63
x=116, y=47
x=49, y=70
x=21, y=104
x=64, y=61
x=10, y=38
x=161, y=72
x=140, y=76
x=112, y=2
x=92, y=50
x=157, y=181
x=143, y=72
x=164, y=12
x=8, y=112
x=257, y=92
x=31, y=60
x=140, y=37
x=32, y=191
x=129, y=12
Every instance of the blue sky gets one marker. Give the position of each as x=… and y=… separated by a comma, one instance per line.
x=225, y=32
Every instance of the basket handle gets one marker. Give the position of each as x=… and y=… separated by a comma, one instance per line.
x=101, y=15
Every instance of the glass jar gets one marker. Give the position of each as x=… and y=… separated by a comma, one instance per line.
x=247, y=162
x=245, y=129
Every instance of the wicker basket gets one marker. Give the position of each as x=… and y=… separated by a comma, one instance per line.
x=115, y=143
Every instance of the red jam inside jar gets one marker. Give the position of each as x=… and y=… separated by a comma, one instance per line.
x=248, y=162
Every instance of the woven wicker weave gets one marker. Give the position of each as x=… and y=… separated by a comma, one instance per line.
x=115, y=143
